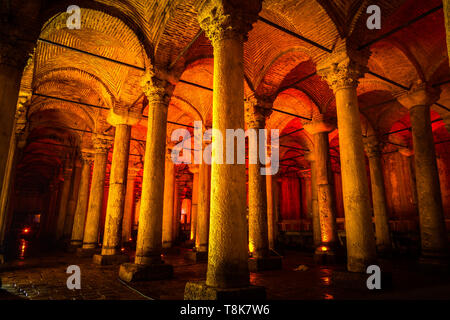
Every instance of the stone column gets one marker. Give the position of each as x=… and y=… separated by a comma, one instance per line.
x=447, y=22
x=200, y=251
x=127, y=222
x=194, y=170
x=342, y=70
x=176, y=210
x=432, y=224
x=317, y=237
x=82, y=201
x=382, y=233
x=326, y=251
x=123, y=119
x=72, y=202
x=256, y=111
x=228, y=276
x=102, y=145
x=169, y=184
x=62, y=213
x=148, y=263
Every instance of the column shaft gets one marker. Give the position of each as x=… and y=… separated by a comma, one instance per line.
x=90, y=237
x=117, y=189
x=432, y=224
x=149, y=241
x=63, y=203
x=201, y=238
x=82, y=202
x=169, y=183
x=127, y=223
x=194, y=204
x=72, y=202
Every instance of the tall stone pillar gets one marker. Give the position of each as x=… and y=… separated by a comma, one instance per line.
x=127, y=222
x=447, y=22
x=342, y=70
x=256, y=111
x=227, y=25
x=123, y=119
x=194, y=204
x=317, y=237
x=319, y=128
x=65, y=193
x=82, y=201
x=72, y=202
x=91, y=230
x=431, y=215
x=382, y=233
x=200, y=250
x=169, y=184
x=148, y=263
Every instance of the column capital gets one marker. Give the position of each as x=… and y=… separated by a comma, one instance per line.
x=344, y=66
x=320, y=123
x=158, y=85
x=372, y=146
x=101, y=143
x=86, y=156
x=420, y=94
x=224, y=19
x=257, y=109
x=133, y=172
x=407, y=152
x=122, y=115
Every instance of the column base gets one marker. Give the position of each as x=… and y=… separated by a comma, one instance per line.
x=196, y=256
x=105, y=260
x=72, y=247
x=130, y=272
x=358, y=280
x=434, y=263
x=87, y=253
x=198, y=290
x=328, y=256
x=265, y=263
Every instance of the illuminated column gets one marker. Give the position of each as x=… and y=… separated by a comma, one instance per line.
x=432, y=224
x=194, y=204
x=447, y=22
x=72, y=202
x=200, y=251
x=342, y=70
x=90, y=236
x=127, y=222
x=319, y=128
x=67, y=176
x=382, y=234
x=148, y=263
x=169, y=183
x=82, y=202
x=123, y=119
x=317, y=238
x=227, y=26
x=176, y=210
x=256, y=111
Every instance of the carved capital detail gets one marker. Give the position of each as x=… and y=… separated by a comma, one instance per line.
x=86, y=156
x=344, y=67
x=101, y=143
x=320, y=123
x=158, y=85
x=372, y=146
x=420, y=94
x=256, y=111
x=227, y=19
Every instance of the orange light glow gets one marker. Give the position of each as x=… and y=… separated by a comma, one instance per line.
x=123, y=249
x=250, y=247
x=26, y=230
x=323, y=248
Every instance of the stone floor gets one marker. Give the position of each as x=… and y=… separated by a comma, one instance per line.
x=44, y=278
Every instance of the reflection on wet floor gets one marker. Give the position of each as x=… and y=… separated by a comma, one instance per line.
x=23, y=248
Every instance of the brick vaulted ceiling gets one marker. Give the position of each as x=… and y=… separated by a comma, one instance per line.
x=140, y=32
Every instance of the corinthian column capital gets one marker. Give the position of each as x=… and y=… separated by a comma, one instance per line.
x=320, y=123
x=256, y=111
x=158, y=85
x=372, y=146
x=420, y=94
x=344, y=66
x=101, y=143
x=228, y=19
